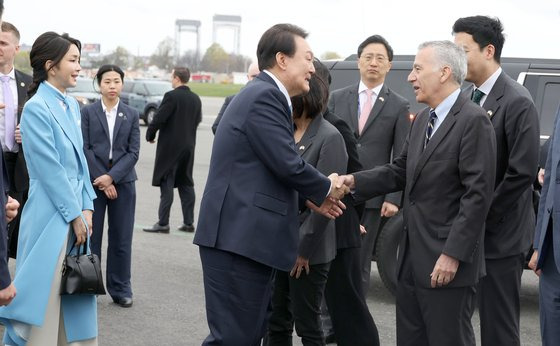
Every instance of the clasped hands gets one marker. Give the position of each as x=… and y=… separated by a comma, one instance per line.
x=332, y=207
x=105, y=183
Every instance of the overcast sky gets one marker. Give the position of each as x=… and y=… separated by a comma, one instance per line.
x=532, y=27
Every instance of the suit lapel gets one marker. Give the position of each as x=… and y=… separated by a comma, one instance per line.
x=121, y=116
x=353, y=108
x=22, y=94
x=438, y=136
x=102, y=118
x=492, y=102
x=377, y=107
x=307, y=139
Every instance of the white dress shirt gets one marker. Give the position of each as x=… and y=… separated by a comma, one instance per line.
x=487, y=86
x=13, y=86
x=111, y=118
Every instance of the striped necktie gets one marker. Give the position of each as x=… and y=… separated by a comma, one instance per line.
x=430, y=127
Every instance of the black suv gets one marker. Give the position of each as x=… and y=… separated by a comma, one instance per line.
x=145, y=96
x=540, y=76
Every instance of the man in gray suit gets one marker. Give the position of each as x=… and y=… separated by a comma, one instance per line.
x=447, y=170
x=379, y=118
x=511, y=219
x=546, y=257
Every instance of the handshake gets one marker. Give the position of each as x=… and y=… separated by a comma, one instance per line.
x=333, y=207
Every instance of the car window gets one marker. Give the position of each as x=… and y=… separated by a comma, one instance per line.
x=139, y=89
x=127, y=86
x=158, y=88
x=83, y=85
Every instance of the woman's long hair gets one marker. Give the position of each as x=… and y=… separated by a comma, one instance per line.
x=48, y=46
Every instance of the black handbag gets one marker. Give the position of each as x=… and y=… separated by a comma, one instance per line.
x=81, y=272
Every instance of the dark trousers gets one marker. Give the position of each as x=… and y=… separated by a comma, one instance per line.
x=298, y=302
x=371, y=220
x=549, y=294
x=433, y=316
x=120, y=213
x=21, y=196
x=237, y=291
x=498, y=301
x=186, y=194
x=348, y=310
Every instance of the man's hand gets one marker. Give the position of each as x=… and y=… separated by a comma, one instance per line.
x=444, y=271
x=331, y=207
x=18, y=134
x=388, y=209
x=533, y=263
x=362, y=230
x=301, y=264
x=347, y=180
x=338, y=189
x=12, y=207
x=111, y=192
x=7, y=294
x=540, y=176
x=103, y=181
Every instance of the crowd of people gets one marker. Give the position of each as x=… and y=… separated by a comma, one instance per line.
x=299, y=182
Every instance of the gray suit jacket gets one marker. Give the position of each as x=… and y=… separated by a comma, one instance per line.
x=511, y=219
x=448, y=191
x=384, y=132
x=322, y=146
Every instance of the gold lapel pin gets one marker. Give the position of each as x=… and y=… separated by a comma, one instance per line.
x=490, y=113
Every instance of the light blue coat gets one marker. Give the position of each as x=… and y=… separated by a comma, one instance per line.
x=59, y=189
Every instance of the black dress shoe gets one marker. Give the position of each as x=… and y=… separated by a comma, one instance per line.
x=124, y=302
x=157, y=228
x=186, y=228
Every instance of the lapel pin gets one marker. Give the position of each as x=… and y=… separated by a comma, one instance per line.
x=120, y=114
x=381, y=99
x=22, y=84
x=302, y=148
x=490, y=113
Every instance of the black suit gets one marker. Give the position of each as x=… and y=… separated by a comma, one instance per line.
x=177, y=119
x=511, y=219
x=351, y=319
x=448, y=190
x=382, y=137
x=221, y=113
x=16, y=168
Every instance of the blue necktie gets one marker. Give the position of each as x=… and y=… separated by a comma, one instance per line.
x=430, y=127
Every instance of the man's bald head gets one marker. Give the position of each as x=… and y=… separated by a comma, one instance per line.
x=252, y=71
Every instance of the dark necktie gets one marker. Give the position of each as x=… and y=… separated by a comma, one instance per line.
x=430, y=127
x=477, y=96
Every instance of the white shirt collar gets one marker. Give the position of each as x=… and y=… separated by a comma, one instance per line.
x=487, y=86
x=280, y=86
x=375, y=90
x=113, y=110
x=11, y=74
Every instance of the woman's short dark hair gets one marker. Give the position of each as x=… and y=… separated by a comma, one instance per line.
x=278, y=39
x=48, y=46
x=108, y=68
x=315, y=101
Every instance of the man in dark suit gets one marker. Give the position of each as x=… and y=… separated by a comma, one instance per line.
x=248, y=224
x=379, y=118
x=14, y=86
x=447, y=170
x=252, y=72
x=7, y=288
x=511, y=219
x=546, y=257
x=177, y=119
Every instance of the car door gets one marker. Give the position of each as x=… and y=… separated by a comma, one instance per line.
x=138, y=97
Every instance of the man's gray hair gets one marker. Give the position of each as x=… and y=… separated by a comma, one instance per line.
x=449, y=54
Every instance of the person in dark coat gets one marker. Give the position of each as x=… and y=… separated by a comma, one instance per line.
x=177, y=119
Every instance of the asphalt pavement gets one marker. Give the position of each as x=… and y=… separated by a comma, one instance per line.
x=167, y=276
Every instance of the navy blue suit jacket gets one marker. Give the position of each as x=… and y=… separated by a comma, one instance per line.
x=250, y=203
x=126, y=142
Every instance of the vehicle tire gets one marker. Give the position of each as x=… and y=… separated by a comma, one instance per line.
x=150, y=112
x=387, y=250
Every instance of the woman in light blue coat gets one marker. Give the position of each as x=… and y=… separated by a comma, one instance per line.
x=59, y=209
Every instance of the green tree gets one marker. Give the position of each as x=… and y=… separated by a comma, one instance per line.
x=120, y=57
x=330, y=56
x=23, y=63
x=215, y=59
x=163, y=56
